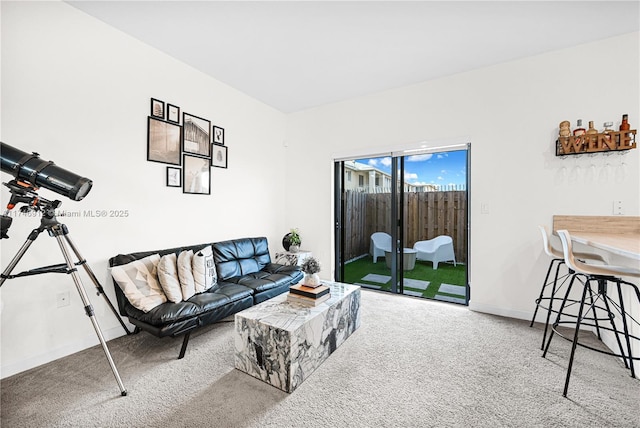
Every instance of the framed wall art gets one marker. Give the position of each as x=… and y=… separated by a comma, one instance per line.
x=218, y=156
x=157, y=108
x=196, y=135
x=163, y=141
x=196, y=175
x=174, y=177
x=173, y=113
x=218, y=135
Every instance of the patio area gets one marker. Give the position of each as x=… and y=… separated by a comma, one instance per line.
x=447, y=283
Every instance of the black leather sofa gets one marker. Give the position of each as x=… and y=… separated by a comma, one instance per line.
x=246, y=277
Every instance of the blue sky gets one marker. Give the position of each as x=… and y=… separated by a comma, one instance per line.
x=433, y=168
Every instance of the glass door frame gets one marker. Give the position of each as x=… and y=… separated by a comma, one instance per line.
x=397, y=208
x=397, y=274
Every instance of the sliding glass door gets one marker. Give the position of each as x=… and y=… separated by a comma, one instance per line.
x=365, y=209
x=402, y=223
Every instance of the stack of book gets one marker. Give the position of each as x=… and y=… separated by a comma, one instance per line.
x=309, y=296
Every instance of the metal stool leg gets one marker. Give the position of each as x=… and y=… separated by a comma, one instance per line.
x=626, y=330
x=595, y=317
x=614, y=329
x=545, y=283
x=551, y=299
x=557, y=321
x=575, y=338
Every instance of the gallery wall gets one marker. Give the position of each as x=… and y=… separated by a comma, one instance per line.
x=78, y=92
x=510, y=114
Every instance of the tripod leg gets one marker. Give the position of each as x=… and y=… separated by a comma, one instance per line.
x=88, y=308
x=5, y=275
x=95, y=281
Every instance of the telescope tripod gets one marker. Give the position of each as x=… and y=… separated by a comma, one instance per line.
x=61, y=233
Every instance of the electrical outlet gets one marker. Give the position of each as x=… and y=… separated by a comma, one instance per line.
x=484, y=208
x=63, y=299
x=618, y=208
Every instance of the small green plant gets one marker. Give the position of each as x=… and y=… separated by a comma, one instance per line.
x=310, y=265
x=294, y=237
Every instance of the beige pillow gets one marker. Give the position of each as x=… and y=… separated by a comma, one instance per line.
x=168, y=277
x=138, y=280
x=187, y=285
x=204, y=270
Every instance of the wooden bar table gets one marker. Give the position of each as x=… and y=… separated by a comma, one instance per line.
x=618, y=235
x=623, y=245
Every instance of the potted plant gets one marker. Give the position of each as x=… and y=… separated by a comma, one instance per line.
x=311, y=266
x=294, y=240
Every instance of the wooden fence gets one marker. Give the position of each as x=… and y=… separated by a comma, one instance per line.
x=426, y=215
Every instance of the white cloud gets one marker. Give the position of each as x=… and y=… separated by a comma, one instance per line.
x=418, y=158
x=386, y=161
x=442, y=155
x=410, y=176
x=440, y=178
x=373, y=162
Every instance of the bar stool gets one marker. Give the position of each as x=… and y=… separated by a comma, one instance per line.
x=557, y=257
x=601, y=275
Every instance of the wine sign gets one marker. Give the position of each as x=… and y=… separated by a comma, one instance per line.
x=596, y=143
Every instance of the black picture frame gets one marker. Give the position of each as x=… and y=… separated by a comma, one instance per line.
x=164, y=140
x=219, y=156
x=196, y=135
x=157, y=108
x=174, y=177
x=218, y=135
x=196, y=175
x=173, y=113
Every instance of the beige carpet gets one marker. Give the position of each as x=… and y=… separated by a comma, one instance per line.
x=412, y=363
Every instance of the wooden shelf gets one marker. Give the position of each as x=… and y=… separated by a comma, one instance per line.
x=596, y=143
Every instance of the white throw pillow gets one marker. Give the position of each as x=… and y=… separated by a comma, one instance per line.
x=185, y=274
x=139, y=282
x=168, y=277
x=204, y=270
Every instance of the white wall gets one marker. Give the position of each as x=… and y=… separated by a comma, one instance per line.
x=78, y=92
x=511, y=113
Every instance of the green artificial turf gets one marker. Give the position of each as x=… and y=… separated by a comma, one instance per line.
x=355, y=271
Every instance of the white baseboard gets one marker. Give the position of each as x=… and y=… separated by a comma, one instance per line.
x=62, y=351
x=500, y=311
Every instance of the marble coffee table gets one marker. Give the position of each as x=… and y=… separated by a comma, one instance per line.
x=282, y=343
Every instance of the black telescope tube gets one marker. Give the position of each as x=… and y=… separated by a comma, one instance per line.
x=41, y=173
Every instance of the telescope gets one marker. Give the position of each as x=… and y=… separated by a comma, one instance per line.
x=41, y=173
x=30, y=172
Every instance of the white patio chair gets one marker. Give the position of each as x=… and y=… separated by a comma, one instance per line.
x=380, y=242
x=436, y=250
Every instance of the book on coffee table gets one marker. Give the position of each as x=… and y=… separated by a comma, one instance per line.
x=307, y=301
x=311, y=292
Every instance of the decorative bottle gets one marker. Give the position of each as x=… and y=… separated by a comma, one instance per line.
x=565, y=128
x=592, y=137
x=624, y=125
x=607, y=131
x=626, y=140
x=579, y=129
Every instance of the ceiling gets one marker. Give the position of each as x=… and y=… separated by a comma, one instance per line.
x=294, y=55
